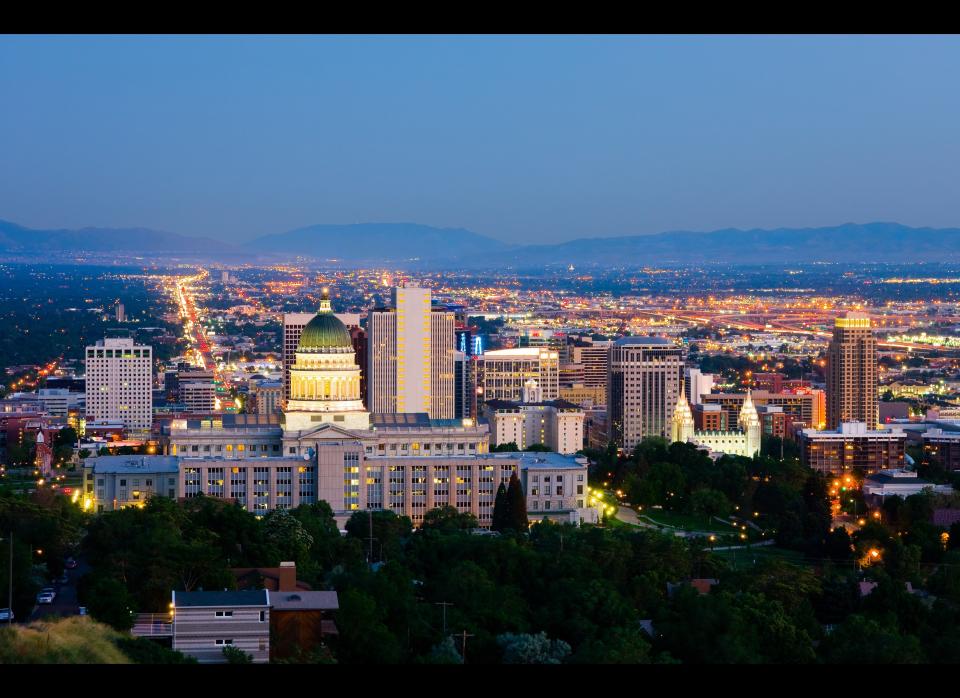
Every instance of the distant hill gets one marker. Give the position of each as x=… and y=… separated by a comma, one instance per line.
x=380, y=242
x=850, y=242
x=18, y=239
x=424, y=246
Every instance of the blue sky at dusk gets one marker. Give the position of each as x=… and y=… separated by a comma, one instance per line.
x=532, y=139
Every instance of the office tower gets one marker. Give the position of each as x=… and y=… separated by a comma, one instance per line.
x=505, y=372
x=121, y=313
x=852, y=372
x=359, y=338
x=594, y=355
x=224, y=276
x=642, y=389
x=463, y=386
x=696, y=384
x=264, y=397
x=571, y=375
x=198, y=396
x=293, y=324
x=804, y=406
x=411, y=356
x=118, y=383
x=469, y=341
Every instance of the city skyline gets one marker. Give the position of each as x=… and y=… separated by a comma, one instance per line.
x=624, y=389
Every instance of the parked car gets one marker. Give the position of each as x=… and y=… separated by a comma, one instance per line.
x=45, y=597
x=49, y=590
x=83, y=610
x=70, y=563
x=6, y=615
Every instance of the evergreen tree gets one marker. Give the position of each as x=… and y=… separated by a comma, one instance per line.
x=500, y=514
x=516, y=505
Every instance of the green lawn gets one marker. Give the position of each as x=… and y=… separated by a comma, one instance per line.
x=745, y=557
x=684, y=522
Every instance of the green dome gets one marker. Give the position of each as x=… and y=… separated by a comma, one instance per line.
x=325, y=332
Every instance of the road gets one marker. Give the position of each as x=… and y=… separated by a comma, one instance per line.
x=197, y=334
x=65, y=603
x=628, y=515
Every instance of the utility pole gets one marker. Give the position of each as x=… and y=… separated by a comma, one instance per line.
x=444, y=604
x=463, y=646
x=370, y=536
x=10, y=586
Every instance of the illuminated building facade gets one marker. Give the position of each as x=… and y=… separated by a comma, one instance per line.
x=744, y=441
x=852, y=447
x=411, y=356
x=805, y=407
x=643, y=388
x=852, y=372
x=119, y=383
x=505, y=372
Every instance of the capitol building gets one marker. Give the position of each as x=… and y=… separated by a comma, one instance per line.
x=327, y=446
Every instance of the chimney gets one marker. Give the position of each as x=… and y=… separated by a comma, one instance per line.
x=288, y=576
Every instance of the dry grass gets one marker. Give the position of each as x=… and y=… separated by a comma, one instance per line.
x=73, y=640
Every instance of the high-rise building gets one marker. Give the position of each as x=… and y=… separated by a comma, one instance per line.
x=293, y=324
x=463, y=386
x=121, y=313
x=804, y=406
x=119, y=383
x=503, y=373
x=571, y=375
x=411, y=356
x=265, y=396
x=642, y=388
x=358, y=336
x=594, y=355
x=696, y=384
x=852, y=372
x=198, y=396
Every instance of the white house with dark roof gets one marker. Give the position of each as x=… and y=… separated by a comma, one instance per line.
x=205, y=622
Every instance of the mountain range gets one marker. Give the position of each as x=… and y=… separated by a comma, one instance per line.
x=422, y=245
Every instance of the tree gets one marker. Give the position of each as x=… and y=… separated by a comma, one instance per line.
x=108, y=601
x=859, y=640
x=288, y=535
x=541, y=448
x=444, y=652
x=235, y=655
x=509, y=447
x=517, y=505
x=709, y=502
x=65, y=437
x=448, y=519
x=389, y=529
x=500, y=514
x=532, y=649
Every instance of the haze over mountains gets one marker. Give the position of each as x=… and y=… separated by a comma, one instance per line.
x=422, y=245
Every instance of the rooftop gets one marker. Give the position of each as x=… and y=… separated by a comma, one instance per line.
x=305, y=601
x=207, y=599
x=134, y=464
x=520, y=351
x=644, y=340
